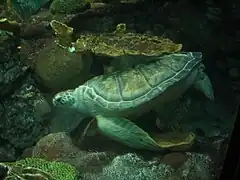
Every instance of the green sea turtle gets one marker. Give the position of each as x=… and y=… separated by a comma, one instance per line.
x=110, y=98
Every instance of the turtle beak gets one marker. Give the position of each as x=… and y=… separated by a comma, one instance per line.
x=204, y=85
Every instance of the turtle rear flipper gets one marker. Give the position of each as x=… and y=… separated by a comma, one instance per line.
x=126, y=132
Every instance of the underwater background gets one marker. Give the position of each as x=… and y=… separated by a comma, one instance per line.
x=51, y=46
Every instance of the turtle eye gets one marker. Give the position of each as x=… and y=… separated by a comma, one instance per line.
x=60, y=101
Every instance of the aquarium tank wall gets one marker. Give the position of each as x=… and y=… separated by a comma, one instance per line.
x=117, y=89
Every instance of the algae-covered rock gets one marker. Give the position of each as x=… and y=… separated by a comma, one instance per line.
x=131, y=166
x=60, y=147
x=11, y=68
x=125, y=49
x=70, y=6
x=63, y=33
x=26, y=8
x=118, y=43
x=19, y=126
x=10, y=11
x=134, y=167
x=22, y=9
x=121, y=43
x=36, y=168
x=174, y=159
x=120, y=29
x=105, y=165
x=55, y=146
x=59, y=69
x=25, y=30
x=10, y=26
x=198, y=166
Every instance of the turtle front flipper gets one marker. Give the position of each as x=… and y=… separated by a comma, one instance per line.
x=204, y=85
x=126, y=132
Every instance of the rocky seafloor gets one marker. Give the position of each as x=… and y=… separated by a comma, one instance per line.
x=33, y=68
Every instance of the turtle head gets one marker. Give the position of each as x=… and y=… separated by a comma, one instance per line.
x=65, y=99
x=65, y=111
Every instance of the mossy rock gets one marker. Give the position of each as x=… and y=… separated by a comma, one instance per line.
x=10, y=26
x=69, y=6
x=28, y=7
x=123, y=49
x=121, y=42
x=118, y=43
x=36, y=168
x=63, y=33
x=59, y=69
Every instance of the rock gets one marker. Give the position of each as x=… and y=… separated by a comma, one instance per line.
x=59, y=147
x=41, y=108
x=109, y=165
x=12, y=71
x=59, y=69
x=63, y=33
x=26, y=8
x=19, y=126
x=7, y=154
x=91, y=162
x=55, y=146
x=198, y=166
x=174, y=159
x=27, y=153
x=70, y=6
x=36, y=168
x=130, y=166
